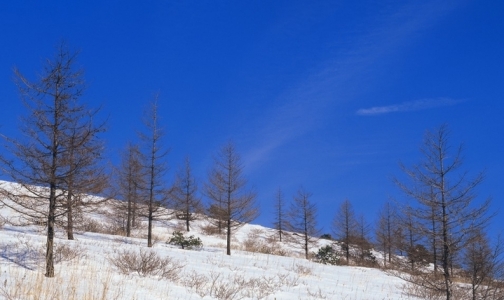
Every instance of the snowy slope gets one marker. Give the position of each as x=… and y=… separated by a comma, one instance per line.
x=86, y=271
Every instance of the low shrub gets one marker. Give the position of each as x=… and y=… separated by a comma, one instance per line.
x=146, y=263
x=189, y=243
x=211, y=229
x=64, y=252
x=327, y=255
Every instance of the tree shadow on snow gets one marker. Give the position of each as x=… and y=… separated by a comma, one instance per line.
x=25, y=257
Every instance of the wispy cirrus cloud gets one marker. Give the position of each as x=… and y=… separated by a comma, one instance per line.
x=306, y=105
x=421, y=104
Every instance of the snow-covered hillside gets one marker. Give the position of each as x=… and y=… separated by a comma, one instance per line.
x=86, y=270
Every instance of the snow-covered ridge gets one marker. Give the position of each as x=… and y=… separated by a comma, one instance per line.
x=86, y=271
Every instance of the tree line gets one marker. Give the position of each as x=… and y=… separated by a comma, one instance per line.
x=60, y=164
x=433, y=238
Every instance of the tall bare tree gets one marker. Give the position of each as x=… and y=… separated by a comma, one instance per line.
x=184, y=198
x=130, y=180
x=345, y=226
x=280, y=220
x=446, y=195
x=54, y=155
x=155, y=167
x=226, y=189
x=303, y=220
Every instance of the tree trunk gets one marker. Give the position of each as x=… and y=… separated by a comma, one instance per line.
x=50, y=232
x=306, y=245
x=446, y=254
x=228, y=237
x=69, y=216
x=133, y=212
x=434, y=246
x=128, y=221
x=149, y=230
x=187, y=215
x=187, y=224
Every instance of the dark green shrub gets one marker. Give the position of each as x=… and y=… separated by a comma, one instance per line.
x=326, y=236
x=190, y=242
x=327, y=256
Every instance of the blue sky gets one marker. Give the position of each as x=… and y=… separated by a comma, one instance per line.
x=326, y=95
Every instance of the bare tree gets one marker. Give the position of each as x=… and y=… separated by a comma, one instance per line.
x=214, y=190
x=130, y=180
x=409, y=240
x=226, y=189
x=183, y=194
x=303, y=220
x=280, y=221
x=155, y=167
x=344, y=227
x=54, y=156
x=482, y=264
x=385, y=232
x=85, y=176
x=362, y=241
x=444, y=196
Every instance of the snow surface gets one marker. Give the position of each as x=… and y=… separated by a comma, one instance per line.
x=206, y=274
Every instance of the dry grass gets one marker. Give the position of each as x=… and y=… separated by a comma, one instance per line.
x=65, y=253
x=255, y=243
x=301, y=269
x=146, y=263
x=236, y=285
x=210, y=229
x=33, y=285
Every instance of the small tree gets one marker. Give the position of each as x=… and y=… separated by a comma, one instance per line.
x=85, y=175
x=183, y=195
x=303, y=220
x=418, y=255
x=327, y=255
x=363, y=244
x=280, y=221
x=385, y=232
x=408, y=240
x=231, y=203
x=345, y=227
x=189, y=243
x=130, y=180
x=482, y=264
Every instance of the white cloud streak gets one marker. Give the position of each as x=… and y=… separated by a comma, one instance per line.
x=307, y=105
x=408, y=106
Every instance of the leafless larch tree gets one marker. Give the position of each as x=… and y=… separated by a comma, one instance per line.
x=155, y=167
x=303, y=221
x=445, y=196
x=344, y=227
x=385, y=232
x=227, y=191
x=55, y=162
x=279, y=214
x=130, y=182
x=184, y=198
